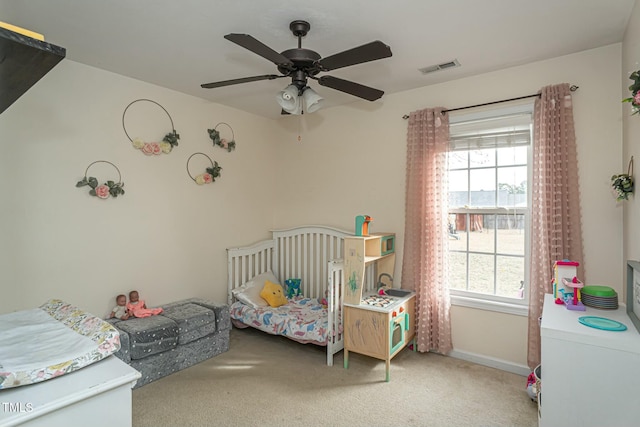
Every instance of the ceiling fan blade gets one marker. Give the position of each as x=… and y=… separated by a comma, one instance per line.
x=259, y=48
x=238, y=81
x=355, y=89
x=365, y=53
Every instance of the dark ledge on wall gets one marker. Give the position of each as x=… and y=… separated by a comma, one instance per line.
x=23, y=61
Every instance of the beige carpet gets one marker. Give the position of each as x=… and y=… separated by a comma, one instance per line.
x=271, y=381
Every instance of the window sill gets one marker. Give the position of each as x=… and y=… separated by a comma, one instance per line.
x=483, y=304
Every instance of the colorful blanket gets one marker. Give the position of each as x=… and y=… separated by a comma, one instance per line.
x=302, y=319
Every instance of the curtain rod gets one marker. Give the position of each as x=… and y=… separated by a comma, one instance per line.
x=573, y=88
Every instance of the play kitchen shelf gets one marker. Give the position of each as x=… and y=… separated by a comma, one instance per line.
x=361, y=251
x=379, y=326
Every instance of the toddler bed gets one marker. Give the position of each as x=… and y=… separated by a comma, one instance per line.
x=310, y=253
x=46, y=342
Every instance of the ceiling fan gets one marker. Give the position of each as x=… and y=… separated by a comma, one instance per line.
x=302, y=64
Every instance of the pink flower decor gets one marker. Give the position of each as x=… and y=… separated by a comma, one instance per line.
x=204, y=178
x=147, y=148
x=224, y=143
x=102, y=191
x=634, y=99
x=150, y=148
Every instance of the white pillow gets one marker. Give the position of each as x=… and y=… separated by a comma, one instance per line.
x=249, y=293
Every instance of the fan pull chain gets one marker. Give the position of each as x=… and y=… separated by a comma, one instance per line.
x=299, y=126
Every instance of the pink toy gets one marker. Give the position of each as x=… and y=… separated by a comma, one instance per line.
x=575, y=302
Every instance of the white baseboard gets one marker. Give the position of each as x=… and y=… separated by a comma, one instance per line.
x=491, y=362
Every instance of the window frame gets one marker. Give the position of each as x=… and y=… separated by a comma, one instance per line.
x=490, y=302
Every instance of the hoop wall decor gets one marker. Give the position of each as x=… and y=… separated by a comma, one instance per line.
x=634, y=99
x=209, y=175
x=169, y=141
x=214, y=134
x=103, y=191
x=622, y=184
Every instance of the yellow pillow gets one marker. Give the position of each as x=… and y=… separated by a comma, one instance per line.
x=273, y=294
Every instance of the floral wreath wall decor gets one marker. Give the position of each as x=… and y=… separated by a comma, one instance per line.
x=169, y=141
x=209, y=175
x=214, y=134
x=635, y=92
x=102, y=191
x=622, y=184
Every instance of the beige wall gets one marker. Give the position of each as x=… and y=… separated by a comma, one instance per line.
x=351, y=161
x=631, y=132
x=165, y=237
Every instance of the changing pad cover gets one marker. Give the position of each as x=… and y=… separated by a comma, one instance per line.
x=46, y=342
x=302, y=319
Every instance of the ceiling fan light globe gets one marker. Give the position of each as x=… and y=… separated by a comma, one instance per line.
x=289, y=100
x=312, y=101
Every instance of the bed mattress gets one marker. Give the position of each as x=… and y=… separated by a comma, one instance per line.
x=302, y=319
x=53, y=340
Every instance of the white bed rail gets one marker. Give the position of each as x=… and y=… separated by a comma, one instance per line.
x=244, y=263
x=304, y=252
x=335, y=334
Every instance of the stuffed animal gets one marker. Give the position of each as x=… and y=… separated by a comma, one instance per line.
x=273, y=294
x=293, y=287
x=324, y=302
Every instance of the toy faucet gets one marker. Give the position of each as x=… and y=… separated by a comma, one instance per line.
x=362, y=225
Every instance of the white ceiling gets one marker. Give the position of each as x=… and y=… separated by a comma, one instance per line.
x=179, y=44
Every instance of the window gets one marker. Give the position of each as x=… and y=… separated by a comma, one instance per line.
x=489, y=193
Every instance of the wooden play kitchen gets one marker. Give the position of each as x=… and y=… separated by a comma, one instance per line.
x=375, y=325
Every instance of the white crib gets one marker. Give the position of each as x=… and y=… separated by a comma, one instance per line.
x=314, y=254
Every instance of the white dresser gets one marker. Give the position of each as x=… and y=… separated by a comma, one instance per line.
x=96, y=395
x=590, y=377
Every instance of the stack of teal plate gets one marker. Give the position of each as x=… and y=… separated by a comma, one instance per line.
x=597, y=296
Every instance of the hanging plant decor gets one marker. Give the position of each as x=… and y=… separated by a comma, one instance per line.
x=209, y=175
x=635, y=92
x=214, y=134
x=102, y=191
x=167, y=144
x=622, y=184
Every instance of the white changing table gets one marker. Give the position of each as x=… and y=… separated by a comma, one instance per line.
x=96, y=395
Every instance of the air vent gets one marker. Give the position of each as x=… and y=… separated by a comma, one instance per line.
x=450, y=64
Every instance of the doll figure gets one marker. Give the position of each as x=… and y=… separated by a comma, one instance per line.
x=137, y=307
x=120, y=311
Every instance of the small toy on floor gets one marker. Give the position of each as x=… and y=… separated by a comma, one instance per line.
x=532, y=389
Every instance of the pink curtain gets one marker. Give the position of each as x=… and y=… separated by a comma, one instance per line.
x=555, y=214
x=425, y=259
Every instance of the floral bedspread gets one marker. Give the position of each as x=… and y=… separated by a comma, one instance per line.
x=55, y=339
x=302, y=319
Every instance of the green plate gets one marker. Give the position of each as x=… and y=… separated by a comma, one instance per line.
x=599, y=291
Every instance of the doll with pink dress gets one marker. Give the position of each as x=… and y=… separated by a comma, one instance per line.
x=137, y=307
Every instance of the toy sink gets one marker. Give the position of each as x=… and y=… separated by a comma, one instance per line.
x=395, y=292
